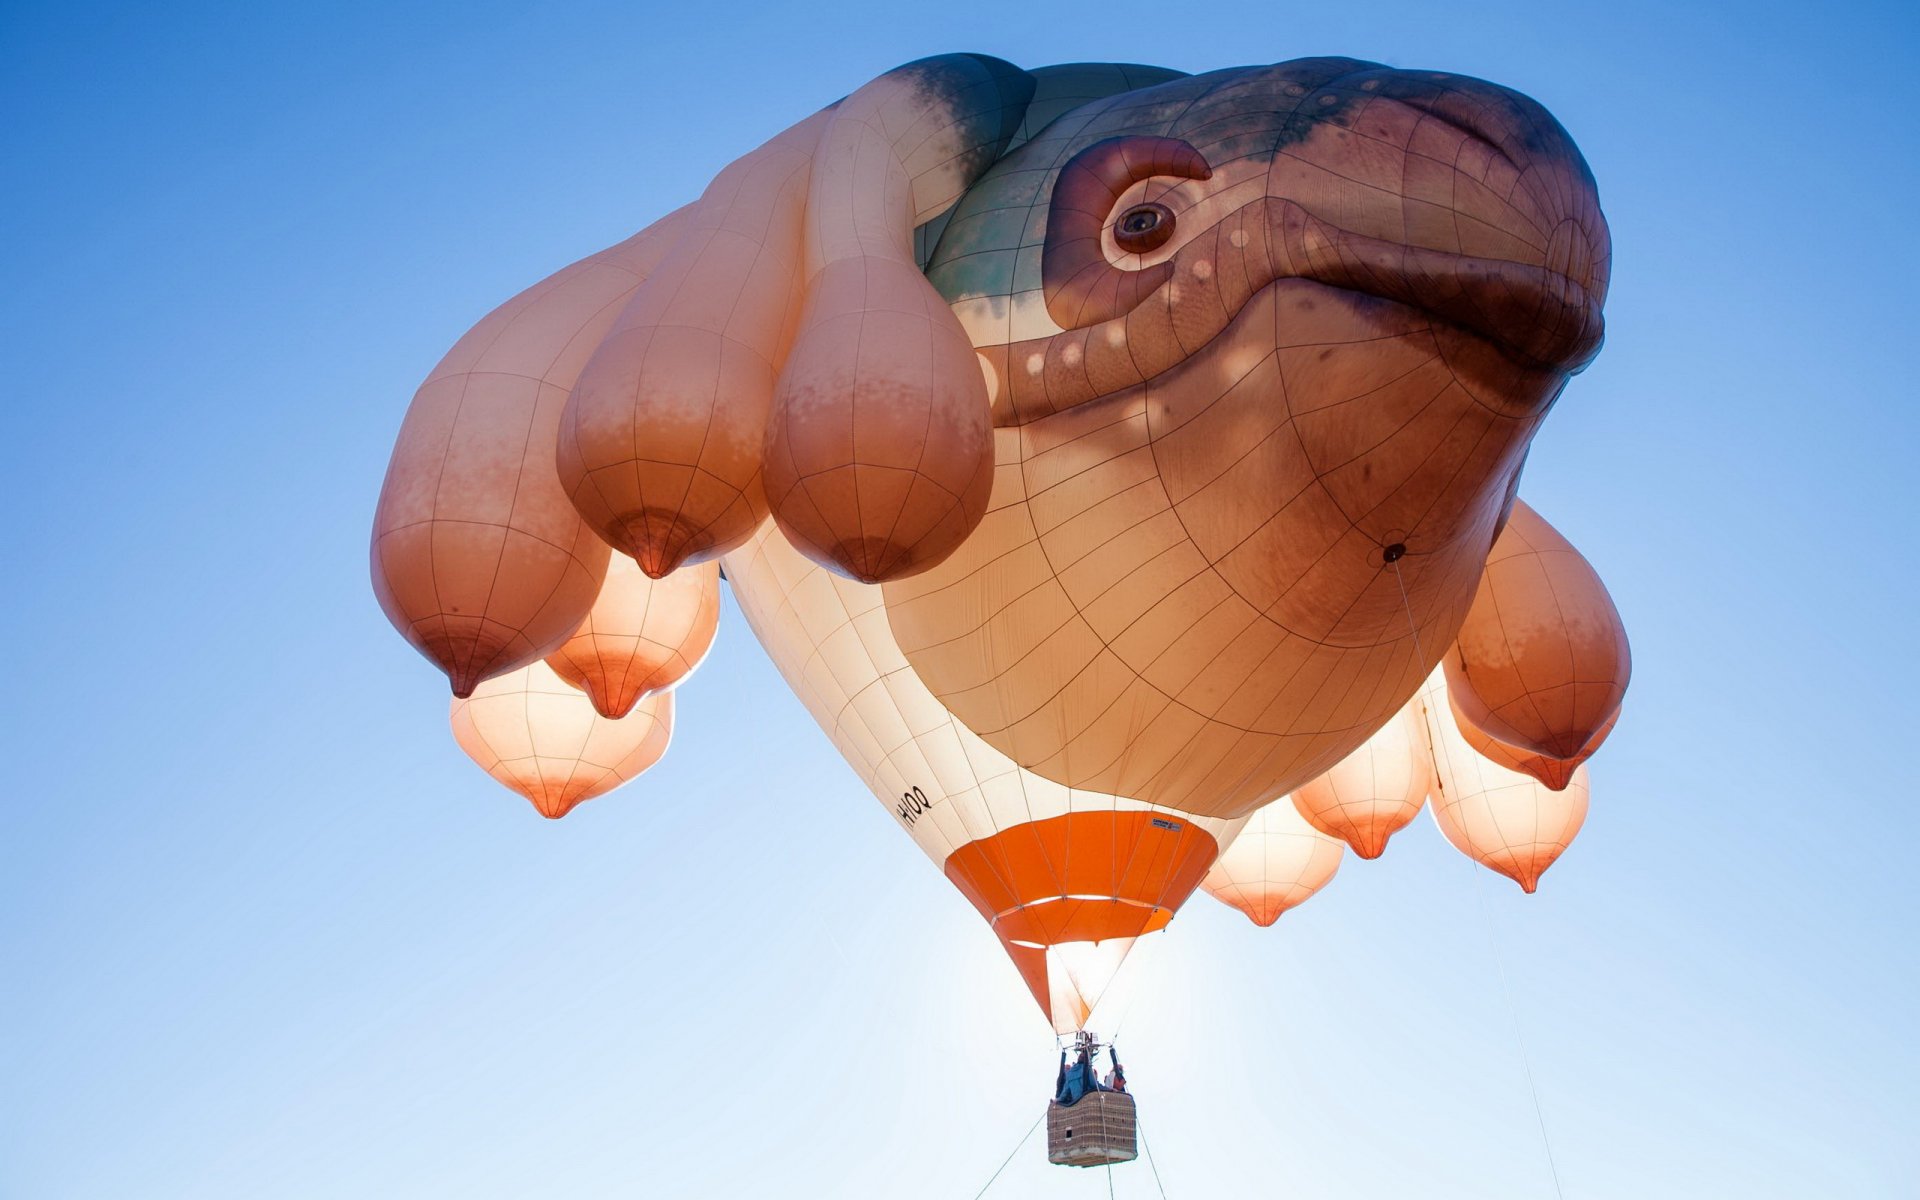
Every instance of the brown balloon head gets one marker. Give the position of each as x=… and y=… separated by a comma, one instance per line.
x=1248, y=474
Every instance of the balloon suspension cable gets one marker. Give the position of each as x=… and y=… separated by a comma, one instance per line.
x=1009, y=1157
x=1151, y=1166
x=1391, y=556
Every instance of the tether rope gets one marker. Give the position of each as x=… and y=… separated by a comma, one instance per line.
x=1010, y=1154
x=1486, y=924
x=1513, y=1014
x=1148, y=1151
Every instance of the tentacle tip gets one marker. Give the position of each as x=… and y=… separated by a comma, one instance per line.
x=868, y=559
x=657, y=540
x=657, y=566
x=613, y=708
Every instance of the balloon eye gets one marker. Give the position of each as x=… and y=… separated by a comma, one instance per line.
x=1143, y=227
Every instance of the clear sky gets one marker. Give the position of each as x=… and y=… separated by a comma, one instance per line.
x=265, y=932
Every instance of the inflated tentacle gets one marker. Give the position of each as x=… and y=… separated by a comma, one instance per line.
x=879, y=454
x=478, y=559
x=1374, y=792
x=1505, y=820
x=1278, y=861
x=643, y=635
x=660, y=445
x=1556, y=773
x=1542, y=661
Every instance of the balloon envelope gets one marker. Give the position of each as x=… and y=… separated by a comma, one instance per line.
x=660, y=444
x=642, y=636
x=1372, y=793
x=478, y=558
x=540, y=736
x=1501, y=818
x=1276, y=862
x=879, y=452
x=1556, y=773
x=1541, y=662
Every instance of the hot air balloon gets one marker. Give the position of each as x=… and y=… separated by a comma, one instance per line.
x=1541, y=662
x=642, y=636
x=1500, y=818
x=1068, y=880
x=1276, y=862
x=1371, y=794
x=478, y=558
x=539, y=735
x=1099, y=452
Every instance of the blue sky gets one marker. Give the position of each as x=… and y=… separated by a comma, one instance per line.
x=265, y=932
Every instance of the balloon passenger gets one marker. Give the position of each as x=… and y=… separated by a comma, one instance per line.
x=1078, y=1079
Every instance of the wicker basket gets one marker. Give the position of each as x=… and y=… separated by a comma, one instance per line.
x=1094, y=1131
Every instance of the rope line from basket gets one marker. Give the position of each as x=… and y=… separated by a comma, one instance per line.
x=1009, y=1157
x=1148, y=1151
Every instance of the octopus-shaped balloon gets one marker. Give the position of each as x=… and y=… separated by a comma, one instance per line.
x=1175, y=414
x=1100, y=453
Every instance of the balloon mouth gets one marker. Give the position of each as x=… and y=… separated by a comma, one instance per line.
x=1072, y=981
x=1539, y=316
x=1546, y=313
x=1053, y=920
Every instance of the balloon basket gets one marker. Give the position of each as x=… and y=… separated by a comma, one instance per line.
x=1097, y=1130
